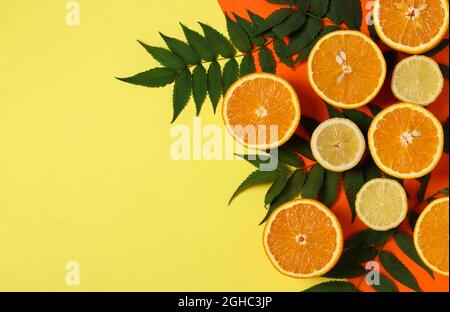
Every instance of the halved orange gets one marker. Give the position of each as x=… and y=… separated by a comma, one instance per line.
x=411, y=26
x=406, y=140
x=431, y=235
x=346, y=68
x=261, y=111
x=303, y=238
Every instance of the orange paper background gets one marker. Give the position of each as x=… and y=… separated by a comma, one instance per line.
x=312, y=106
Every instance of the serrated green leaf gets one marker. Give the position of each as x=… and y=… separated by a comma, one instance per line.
x=256, y=19
x=444, y=70
x=291, y=24
x=301, y=146
x=371, y=170
x=368, y=237
x=276, y=188
x=181, y=92
x=266, y=60
x=349, y=265
x=199, y=44
x=247, y=65
x=333, y=112
x=391, y=58
x=445, y=126
x=406, y=244
x=320, y=7
x=314, y=181
x=291, y=190
x=250, y=30
x=398, y=270
x=238, y=36
x=164, y=57
x=349, y=271
x=333, y=286
x=362, y=120
x=353, y=14
x=441, y=46
x=153, y=78
x=302, y=37
x=181, y=49
x=423, y=186
x=256, y=178
x=274, y=19
x=374, y=109
x=199, y=86
x=218, y=41
x=373, y=33
x=353, y=181
x=330, y=188
x=336, y=11
x=303, y=4
x=279, y=46
x=289, y=158
x=214, y=83
x=304, y=53
x=412, y=219
x=309, y=124
x=230, y=74
x=280, y=1
x=386, y=285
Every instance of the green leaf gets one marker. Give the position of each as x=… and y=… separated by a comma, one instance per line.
x=368, y=237
x=304, y=53
x=218, y=41
x=199, y=86
x=289, y=158
x=165, y=57
x=256, y=19
x=280, y=1
x=444, y=70
x=444, y=191
x=330, y=188
x=274, y=19
x=371, y=170
x=333, y=112
x=301, y=146
x=276, y=188
x=199, y=44
x=181, y=49
x=445, y=126
x=230, y=74
x=349, y=265
x=320, y=7
x=353, y=14
x=250, y=30
x=398, y=270
x=412, y=219
x=386, y=285
x=333, y=286
x=247, y=65
x=238, y=36
x=291, y=24
x=362, y=120
x=336, y=11
x=314, y=181
x=441, y=46
x=391, y=58
x=181, y=93
x=291, y=190
x=256, y=178
x=156, y=77
x=302, y=37
x=406, y=244
x=309, y=124
x=373, y=33
x=267, y=61
x=353, y=181
x=348, y=271
x=374, y=109
x=303, y=4
x=214, y=83
x=423, y=186
x=279, y=46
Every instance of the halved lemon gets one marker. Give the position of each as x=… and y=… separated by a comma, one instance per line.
x=431, y=235
x=406, y=140
x=261, y=111
x=381, y=204
x=338, y=144
x=409, y=26
x=303, y=238
x=346, y=68
x=417, y=79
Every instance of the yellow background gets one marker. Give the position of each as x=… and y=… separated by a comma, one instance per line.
x=85, y=172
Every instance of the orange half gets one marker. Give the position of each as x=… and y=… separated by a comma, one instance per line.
x=346, y=69
x=431, y=235
x=411, y=26
x=303, y=239
x=261, y=111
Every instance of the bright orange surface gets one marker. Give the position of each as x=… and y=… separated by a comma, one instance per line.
x=314, y=107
